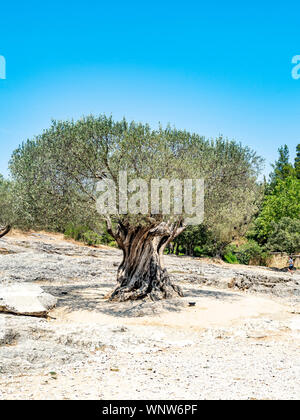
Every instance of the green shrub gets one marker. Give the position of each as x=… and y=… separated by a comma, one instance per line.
x=106, y=238
x=198, y=241
x=231, y=258
x=76, y=232
x=285, y=236
x=91, y=238
x=197, y=252
x=84, y=234
x=249, y=252
x=113, y=244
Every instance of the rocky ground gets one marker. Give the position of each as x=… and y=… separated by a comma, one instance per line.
x=240, y=341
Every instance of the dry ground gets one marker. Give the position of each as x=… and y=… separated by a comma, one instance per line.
x=233, y=344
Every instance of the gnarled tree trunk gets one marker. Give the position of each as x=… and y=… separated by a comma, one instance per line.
x=4, y=230
x=142, y=272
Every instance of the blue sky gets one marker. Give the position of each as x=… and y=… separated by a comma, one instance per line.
x=210, y=67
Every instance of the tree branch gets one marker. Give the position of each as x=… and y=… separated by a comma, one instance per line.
x=4, y=231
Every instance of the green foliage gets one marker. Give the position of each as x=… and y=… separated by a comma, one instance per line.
x=192, y=240
x=76, y=232
x=197, y=251
x=113, y=244
x=249, y=252
x=6, y=215
x=44, y=198
x=285, y=236
x=282, y=168
x=107, y=239
x=284, y=201
x=277, y=224
x=198, y=241
x=297, y=161
x=230, y=258
x=89, y=237
x=55, y=174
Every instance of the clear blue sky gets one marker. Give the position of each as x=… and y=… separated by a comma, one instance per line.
x=210, y=67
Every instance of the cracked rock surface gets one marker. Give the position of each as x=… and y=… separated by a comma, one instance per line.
x=240, y=340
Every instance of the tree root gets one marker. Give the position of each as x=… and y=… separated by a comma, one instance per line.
x=165, y=291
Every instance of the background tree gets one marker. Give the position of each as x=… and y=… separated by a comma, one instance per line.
x=44, y=198
x=285, y=236
x=67, y=161
x=297, y=161
x=282, y=167
x=283, y=201
x=5, y=206
x=199, y=241
x=194, y=241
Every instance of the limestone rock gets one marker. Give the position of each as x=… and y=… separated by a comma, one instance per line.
x=25, y=299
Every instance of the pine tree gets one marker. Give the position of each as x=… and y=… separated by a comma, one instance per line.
x=282, y=168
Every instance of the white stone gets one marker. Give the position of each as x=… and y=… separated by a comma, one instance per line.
x=25, y=299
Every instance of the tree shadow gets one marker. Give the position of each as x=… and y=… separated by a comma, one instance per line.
x=93, y=298
x=212, y=294
x=80, y=297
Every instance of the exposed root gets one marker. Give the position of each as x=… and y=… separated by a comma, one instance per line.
x=167, y=290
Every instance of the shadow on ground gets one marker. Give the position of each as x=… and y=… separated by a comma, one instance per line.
x=74, y=298
x=212, y=294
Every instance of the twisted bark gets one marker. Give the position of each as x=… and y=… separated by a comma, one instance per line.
x=142, y=272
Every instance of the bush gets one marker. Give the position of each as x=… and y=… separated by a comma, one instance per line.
x=283, y=202
x=231, y=258
x=107, y=239
x=197, y=241
x=285, y=236
x=197, y=251
x=91, y=238
x=76, y=232
x=84, y=234
x=6, y=199
x=113, y=244
x=249, y=252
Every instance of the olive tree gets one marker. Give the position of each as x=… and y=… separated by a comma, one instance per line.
x=81, y=154
x=4, y=230
x=5, y=206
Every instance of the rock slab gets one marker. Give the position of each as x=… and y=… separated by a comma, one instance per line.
x=25, y=299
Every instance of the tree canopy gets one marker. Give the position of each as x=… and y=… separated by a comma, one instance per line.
x=282, y=168
x=284, y=201
x=5, y=202
x=55, y=173
x=55, y=179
